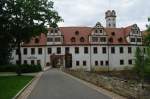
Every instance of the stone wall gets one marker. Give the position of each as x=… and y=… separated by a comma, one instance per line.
x=129, y=89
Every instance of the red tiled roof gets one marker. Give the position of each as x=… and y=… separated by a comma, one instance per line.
x=84, y=32
x=69, y=32
x=42, y=40
x=119, y=34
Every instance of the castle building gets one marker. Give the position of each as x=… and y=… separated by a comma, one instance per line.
x=84, y=47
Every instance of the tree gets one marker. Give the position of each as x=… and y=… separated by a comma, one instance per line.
x=28, y=18
x=147, y=36
x=139, y=63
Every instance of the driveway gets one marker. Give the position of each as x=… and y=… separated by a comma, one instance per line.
x=54, y=84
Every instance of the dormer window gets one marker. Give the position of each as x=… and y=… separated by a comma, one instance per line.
x=111, y=40
x=96, y=31
x=76, y=32
x=82, y=39
x=57, y=39
x=139, y=40
x=36, y=40
x=56, y=31
x=52, y=31
x=112, y=33
x=120, y=40
x=73, y=39
x=101, y=31
x=132, y=39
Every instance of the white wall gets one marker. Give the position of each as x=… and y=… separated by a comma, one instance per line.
x=114, y=59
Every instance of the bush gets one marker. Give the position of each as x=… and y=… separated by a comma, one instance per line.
x=8, y=68
x=25, y=68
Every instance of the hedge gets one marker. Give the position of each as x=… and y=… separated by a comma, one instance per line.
x=25, y=68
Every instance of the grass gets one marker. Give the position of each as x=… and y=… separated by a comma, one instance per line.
x=10, y=85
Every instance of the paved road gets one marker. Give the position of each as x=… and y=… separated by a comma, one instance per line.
x=56, y=85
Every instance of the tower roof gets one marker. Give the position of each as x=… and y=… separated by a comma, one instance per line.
x=110, y=13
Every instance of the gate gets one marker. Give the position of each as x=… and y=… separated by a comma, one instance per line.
x=68, y=60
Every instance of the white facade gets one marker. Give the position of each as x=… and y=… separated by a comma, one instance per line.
x=99, y=47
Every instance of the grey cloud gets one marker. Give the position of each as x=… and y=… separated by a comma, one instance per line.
x=88, y=12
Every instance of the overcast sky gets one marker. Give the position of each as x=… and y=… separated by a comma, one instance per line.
x=88, y=12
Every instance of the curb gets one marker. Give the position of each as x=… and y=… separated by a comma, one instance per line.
x=96, y=88
x=27, y=85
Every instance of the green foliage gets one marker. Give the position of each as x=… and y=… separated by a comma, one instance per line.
x=142, y=63
x=138, y=62
x=23, y=68
x=22, y=19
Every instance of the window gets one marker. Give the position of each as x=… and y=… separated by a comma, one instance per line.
x=25, y=51
x=107, y=63
x=17, y=51
x=94, y=39
x=112, y=50
x=73, y=39
x=40, y=50
x=100, y=31
x=103, y=39
x=130, y=62
x=112, y=33
x=101, y=62
x=49, y=50
x=104, y=50
x=129, y=50
x=96, y=31
x=76, y=32
x=58, y=50
x=144, y=50
x=57, y=39
x=139, y=40
x=121, y=49
x=25, y=62
x=76, y=50
x=110, y=40
x=132, y=39
x=84, y=63
x=36, y=40
x=82, y=39
x=85, y=50
x=56, y=31
x=77, y=63
x=49, y=39
x=96, y=63
x=121, y=62
x=17, y=62
x=120, y=40
x=32, y=62
x=67, y=50
x=39, y=62
x=32, y=51
x=94, y=50
x=52, y=31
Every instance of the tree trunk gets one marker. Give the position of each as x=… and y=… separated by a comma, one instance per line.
x=19, y=59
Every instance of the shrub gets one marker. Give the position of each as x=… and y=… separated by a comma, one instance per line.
x=25, y=68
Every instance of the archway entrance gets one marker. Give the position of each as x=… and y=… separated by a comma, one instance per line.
x=57, y=60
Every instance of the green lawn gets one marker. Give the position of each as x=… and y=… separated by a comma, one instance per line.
x=10, y=85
